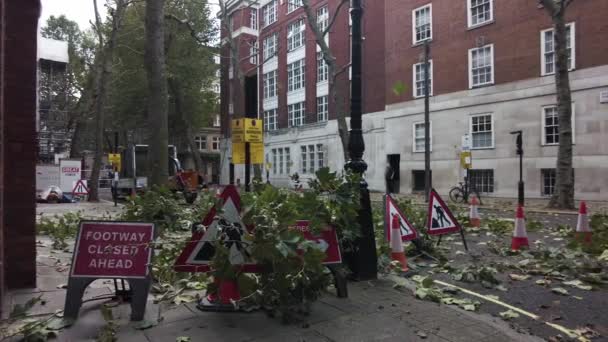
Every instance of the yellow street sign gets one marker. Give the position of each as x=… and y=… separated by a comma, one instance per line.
x=114, y=159
x=256, y=152
x=238, y=131
x=254, y=131
x=466, y=161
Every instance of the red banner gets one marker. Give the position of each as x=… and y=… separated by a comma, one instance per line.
x=113, y=250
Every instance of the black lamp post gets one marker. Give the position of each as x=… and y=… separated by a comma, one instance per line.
x=364, y=263
x=520, y=152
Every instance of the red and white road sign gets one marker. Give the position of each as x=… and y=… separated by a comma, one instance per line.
x=327, y=241
x=112, y=249
x=80, y=188
x=440, y=218
x=408, y=232
x=199, y=251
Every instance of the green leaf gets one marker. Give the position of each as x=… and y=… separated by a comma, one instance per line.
x=509, y=314
x=427, y=282
x=58, y=323
x=578, y=284
x=518, y=277
x=560, y=290
x=469, y=307
x=399, y=88
x=145, y=324
x=603, y=256
x=182, y=339
x=22, y=309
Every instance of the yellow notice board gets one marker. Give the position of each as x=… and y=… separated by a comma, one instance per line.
x=256, y=151
x=238, y=131
x=465, y=160
x=254, y=131
x=114, y=159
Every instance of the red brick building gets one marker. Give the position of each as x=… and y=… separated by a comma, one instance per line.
x=18, y=32
x=492, y=72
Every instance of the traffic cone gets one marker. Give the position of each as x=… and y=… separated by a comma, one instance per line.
x=583, y=232
x=397, y=253
x=227, y=292
x=520, y=237
x=474, y=219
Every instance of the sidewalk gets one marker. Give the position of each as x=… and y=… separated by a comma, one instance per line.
x=374, y=311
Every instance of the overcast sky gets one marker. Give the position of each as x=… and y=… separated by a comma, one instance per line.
x=81, y=11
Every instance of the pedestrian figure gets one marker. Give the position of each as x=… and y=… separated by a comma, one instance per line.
x=441, y=216
x=390, y=178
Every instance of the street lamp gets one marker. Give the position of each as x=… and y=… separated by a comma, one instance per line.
x=365, y=263
x=520, y=152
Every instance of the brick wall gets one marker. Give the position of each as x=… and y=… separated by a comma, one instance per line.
x=17, y=112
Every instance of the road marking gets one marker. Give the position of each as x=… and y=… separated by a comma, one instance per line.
x=570, y=333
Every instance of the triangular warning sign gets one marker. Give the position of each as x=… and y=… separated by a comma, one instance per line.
x=408, y=232
x=80, y=188
x=440, y=218
x=226, y=227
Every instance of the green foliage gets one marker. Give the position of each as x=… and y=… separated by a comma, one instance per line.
x=60, y=228
x=599, y=240
x=107, y=333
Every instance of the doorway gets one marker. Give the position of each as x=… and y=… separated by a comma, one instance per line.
x=393, y=173
x=251, y=96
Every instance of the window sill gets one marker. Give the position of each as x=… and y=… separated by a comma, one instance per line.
x=483, y=148
x=476, y=26
x=421, y=151
x=422, y=96
x=422, y=42
x=296, y=49
x=553, y=73
x=481, y=86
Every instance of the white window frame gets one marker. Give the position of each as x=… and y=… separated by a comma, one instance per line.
x=296, y=75
x=414, y=149
x=201, y=142
x=269, y=12
x=470, y=16
x=253, y=53
x=312, y=158
x=270, y=84
x=543, y=125
x=323, y=114
x=296, y=114
x=471, y=85
x=414, y=14
x=323, y=18
x=293, y=5
x=543, y=51
x=471, y=131
x=296, y=34
x=253, y=19
x=322, y=69
x=415, y=80
x=270, y=125
x=217, y=122
x=270, y=44
x=215, y=143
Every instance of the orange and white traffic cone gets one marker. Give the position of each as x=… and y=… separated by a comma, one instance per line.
x=474, y=219
x=520, y=237
x=397, y=253
x=583, y=231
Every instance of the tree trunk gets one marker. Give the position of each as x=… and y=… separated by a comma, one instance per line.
x=154, y=57
x=563, y=197
x=103, y=71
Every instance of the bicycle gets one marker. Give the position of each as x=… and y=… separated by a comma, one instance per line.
x=461, y=193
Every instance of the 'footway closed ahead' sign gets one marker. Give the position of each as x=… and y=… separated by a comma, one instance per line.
x=113, y=250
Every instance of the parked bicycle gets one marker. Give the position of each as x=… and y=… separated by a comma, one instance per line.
x=462, y=192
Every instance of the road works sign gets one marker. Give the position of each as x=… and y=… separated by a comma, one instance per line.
x=408, y=232
x=112, y=250
x=80, y=188
x=440, y=218
x=226, y=228
x=327, y=241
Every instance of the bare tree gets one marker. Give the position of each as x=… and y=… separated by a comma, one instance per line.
x=337, y=95
x=563, y=197
x=103, y=71
x=154, y=57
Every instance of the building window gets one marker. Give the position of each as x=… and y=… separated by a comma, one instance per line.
x=296, y=114
x=418, y=135
x=293, y=5
x=481, y=131
x=270, y=120
x=295, y=75
x=322, y=108
x=323, y=18
x=547, y=46
x=550, y=124
x=215, y=143
x=270, y=84
x=217, y=121
x=419, y=79
x=480, y=12
x=274, y=161
x=270, y=46
x=295, y=34
x=312, y=158
x=422, y=24
x=482, y=180
x=253, y=19
x=270, y=13
x=253, y=53
x=287, y=160
x=322, y=69
x=548, y=179
x=201, y=142
x=481, y=66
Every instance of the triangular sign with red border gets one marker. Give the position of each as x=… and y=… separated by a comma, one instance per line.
x=80, y=188
x=440, y=218
x=225, y=226
x=408, y=232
